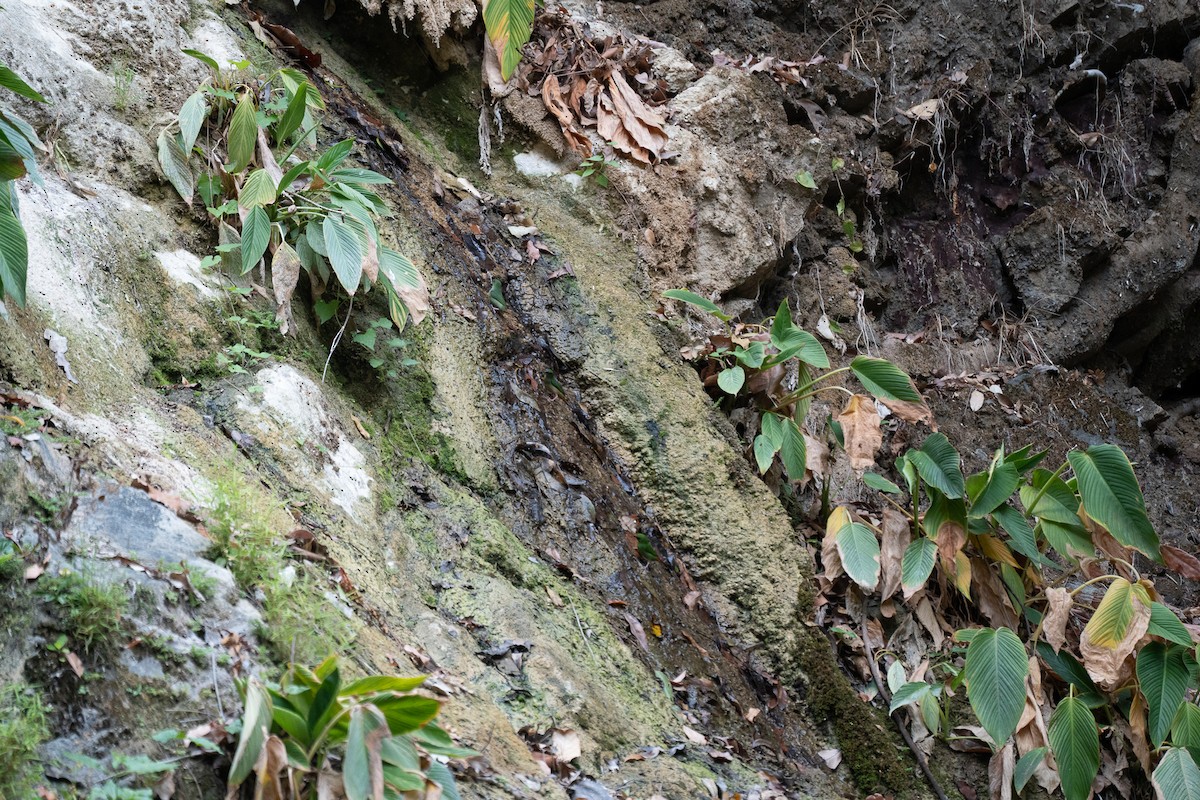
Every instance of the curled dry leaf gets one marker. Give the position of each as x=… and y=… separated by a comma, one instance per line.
x=894, y=538
x=285, y=274
x=1058, y=613
x=1181, y=561
x=639, y=633
x=910, y=412
x=632, y=126
x=860, y=431
x=1000, y=773
x=991, y=596
x=832, y=757
x=695, y=737
x=553, y=100
x=1139, y=735
x=816, y=456
x=976, y=401
x=565, y=744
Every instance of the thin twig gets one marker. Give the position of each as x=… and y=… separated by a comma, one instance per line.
x=212, y=661
x=336, y=339
x=579, y=622
x=886, y=695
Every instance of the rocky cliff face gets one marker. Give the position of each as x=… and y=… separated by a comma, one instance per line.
x=543, y=512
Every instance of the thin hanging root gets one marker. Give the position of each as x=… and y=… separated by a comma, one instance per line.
x=886, y=695
x=485, y=141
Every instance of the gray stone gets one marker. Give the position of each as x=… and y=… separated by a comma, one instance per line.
x=133, y=523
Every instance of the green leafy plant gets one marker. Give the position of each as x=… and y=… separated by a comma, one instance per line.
x=23, y=728
x=17, y=145
x=595, y=167
x=752, y=361
x=237, y=143
x=386, y=351
x=849, y=228
x=91, y=610
x=1024, y=549
x=315, y=735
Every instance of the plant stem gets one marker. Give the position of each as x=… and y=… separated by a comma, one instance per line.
x=1037, y=498
x=799, y=392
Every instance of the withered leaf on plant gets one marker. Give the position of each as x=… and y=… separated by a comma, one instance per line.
x=860, y=431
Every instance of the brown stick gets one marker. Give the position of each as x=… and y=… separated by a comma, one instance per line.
x=886, y=695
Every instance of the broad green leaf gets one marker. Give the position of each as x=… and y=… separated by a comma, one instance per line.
x=794, y=452
x=782, y=323
x=731, y=380
x=440, y=774
x=345, y=252
x=11, y=80
x=908, y=694
x=315, y=235
x=402, y=780
x=1068, y=668
x=691, y=298
x=751, y=356
x=243, y=134
x=258, y=190
x=1026, y=765
x=884, y=379
x=191, y=118
x=805, y=179
x=1111, y=619
x=292, y=118
x=256, y=235
x=1185, y=729
x=406, y=713
x=917, y=563
x=939, y=465
x=1075, y=743
x=1176, y=777
x=381, y=683
x=996, y=670
x=1024, y=460
x=1001, y=482
x=335, y=155
x=400, y=270
x=764, y=453
x=293, y=724
x=1111, y=496
x=206, y=59
x=294, y=172
x=1163, y=678
x=772, y=428
x=1019, y=533
x=1164, y=623
x=880, y=483
x=437, y=741
x=797, y=343
x=256, y=723
x=362, y=764
x=859, y=550
x=324, y=704
x=1057, y=503
x=1071, y=541
x=362, y=177
x=509, y=24
x=14, y=250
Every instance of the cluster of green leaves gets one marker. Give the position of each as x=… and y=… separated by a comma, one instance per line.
x=387, y=351
x=17, y=145
x=994, y=551
x=378, y=731
x=595, y=167
x=805, y=179
x=90, y=610
x=236, y=143
x=127, y=777
x=744, y=352
x=23, y=729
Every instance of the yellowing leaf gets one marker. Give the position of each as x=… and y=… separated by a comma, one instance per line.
x=1113, y=631
x=509, y=24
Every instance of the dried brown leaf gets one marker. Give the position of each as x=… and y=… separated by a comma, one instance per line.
x=553, y=100
x=639, y=633
x=76, y=664
x=565, y=744
x=285, y=274
x=1181, y=561
x=860, y=431
x=1000, y=773
x=991, y=597
x=910, y=412
x=1138, y=735
x=830, y=560
x=895, y=535
x=695, y=737
x=1058, y=613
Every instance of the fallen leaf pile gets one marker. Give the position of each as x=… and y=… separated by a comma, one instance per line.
x=604, y=84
